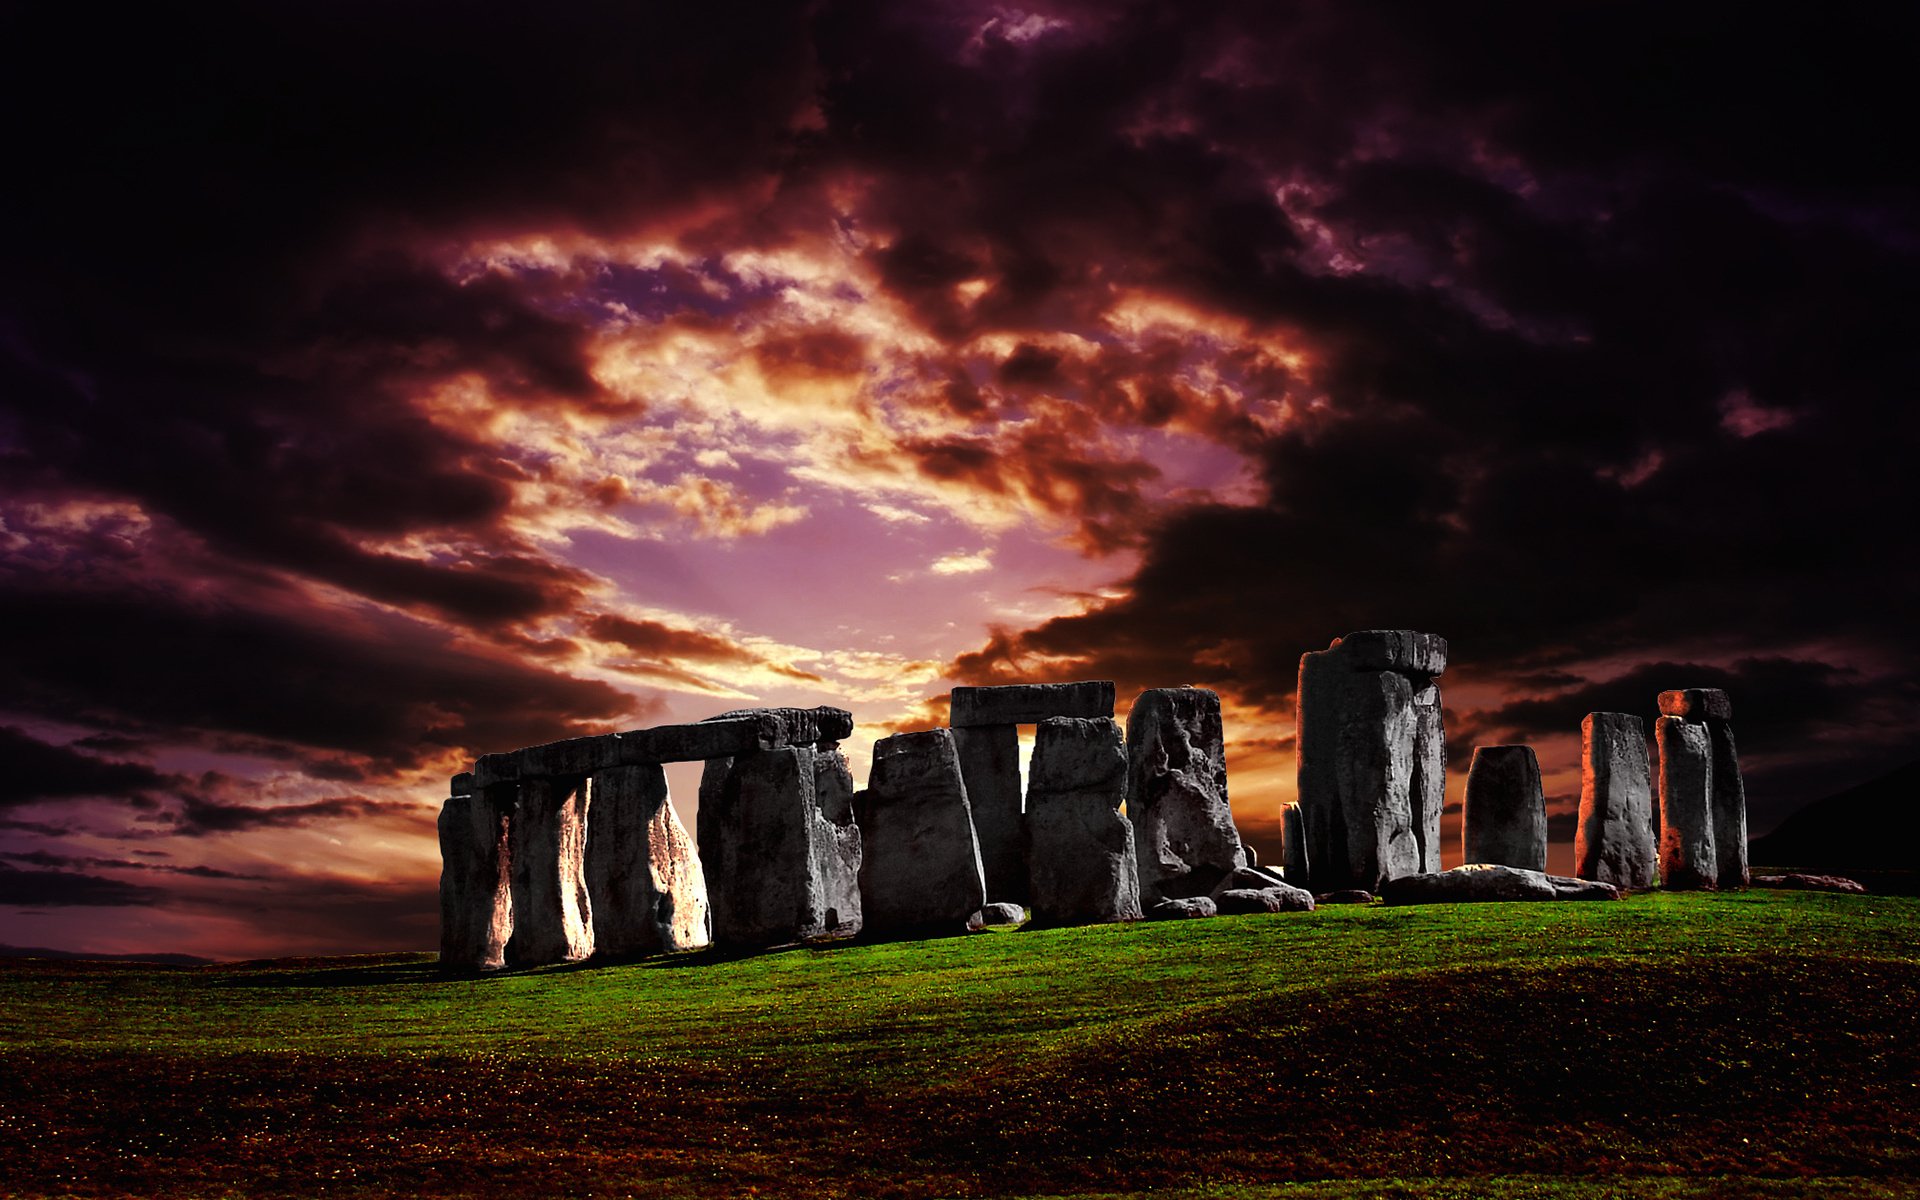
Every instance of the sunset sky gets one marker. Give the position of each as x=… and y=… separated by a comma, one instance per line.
x=385, y=384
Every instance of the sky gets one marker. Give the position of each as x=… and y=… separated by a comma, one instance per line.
x=385, y=384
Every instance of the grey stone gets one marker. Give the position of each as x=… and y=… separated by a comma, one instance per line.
x=1182, y=909
x=1346, y=896
x=1279, y=898
x=1374, y=769
x=838, y=845
x=1688, y=857
x=778, y=870
x=922, y=868
x=1400, y=650
x=462, y=785
x=1427, y=787
x=1696, y=704
x=1177, y=793
x=476, y=884
x=1615, y=840
x=990, y=765
x=1505, y=818
x=1729, y=807
x=1247, y=877
x=648, y=891
x=997, y=914
x=1802, y=882
x=1488, y=881
x=720, y=737
x=1080, y=858
x=1294, y=867
x=1029, y=703
x=777, y=727
x=552, y=912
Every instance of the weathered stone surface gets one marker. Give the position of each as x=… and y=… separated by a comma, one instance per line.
x=1615, y=841
x=1696, y=704
x=1294, y=867
x=1489, y=881
x=462, y=784
x=1080, y=857
x=990, y=765
x=1427, y=787
x=1279, y=898
x=922, y=868
x=779, y=727
x=644, y=877
x=1729, y=807
x=1177, y=793
x=1802, y=882
x=1246, y=877
x=552, y=912
x=1688, y=858
x=1029, y=703
x=1505, y=819
x=997, y=913
x=777, y=868
x=1400, y=650
x=721, y=737
x=476, y=885
x=1374, y=768
x=1185, y=908
x=1345, y=896
x=838, y=844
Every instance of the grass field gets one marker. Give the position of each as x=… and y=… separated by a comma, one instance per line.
x=1760, y=1044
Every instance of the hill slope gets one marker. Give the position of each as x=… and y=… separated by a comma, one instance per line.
x=1875, y=826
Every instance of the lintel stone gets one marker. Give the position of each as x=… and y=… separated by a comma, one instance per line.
x=1696, y=704
x=1030, y=703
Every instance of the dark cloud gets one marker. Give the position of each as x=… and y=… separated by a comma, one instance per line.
x=37, y=770
x=46, y=858
x=198, y=817
x=66, y=889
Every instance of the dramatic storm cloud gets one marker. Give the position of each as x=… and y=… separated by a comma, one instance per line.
x=385, y=385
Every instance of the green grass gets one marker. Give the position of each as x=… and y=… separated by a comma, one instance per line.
x=1760, y=1044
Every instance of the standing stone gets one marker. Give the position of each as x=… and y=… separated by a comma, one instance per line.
x=777, y=868
x=837, y=845
x=1183, y=826
x=1294, y=867
x=922, y=866
x=1615, y=840
x=1080, y=858
x=1687, y=852
x=1372, y=757
x=552, y=912
x=644, y=877
x=990, y=766
x=1505, y=820
x=1711, y=707
x=476, y=885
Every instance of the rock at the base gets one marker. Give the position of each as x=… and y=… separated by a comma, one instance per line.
x=1487, y=881
x=1279, y=898
x=1177, y=793
x=774, y=863
x=1504, y=822
x=1615, y=841
x=476, y=886
x=922, y=867
x=1185, y=908
x=1080, y=857
x=552, y=913
x=1294, y=866
x=1688, y=857
x=648, y=891
x=1346, y=896
x=1029, y=703
x=997, y=913
x=990, y=766
x=1802, y=882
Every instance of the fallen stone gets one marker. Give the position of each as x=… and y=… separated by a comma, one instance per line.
x=1505, y=818
x=1688, y=857
x=1346, y=896
x=1247, y=877
x=1294, y=867
x=778, y=871
x=1029, y=703
x=1696, y=704
x=1427, y=786
x=552, y=912
x=1477, y=882
x=476, y=883
x=1234, y=901
x=922, y=861
x=1400, y=650
x=1615, y=840
x=1182, y=909
x=997, y=913
x=1177, y=793
x=990, y=766
x=648, y=891
x=1080, y=857
x=1801, y=882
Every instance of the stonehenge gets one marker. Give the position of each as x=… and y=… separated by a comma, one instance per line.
x=1371, y=758
x=572, y=850
x=1504, y=822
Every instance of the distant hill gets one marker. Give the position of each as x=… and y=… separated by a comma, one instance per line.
x=1874, y=826
x=171, y=960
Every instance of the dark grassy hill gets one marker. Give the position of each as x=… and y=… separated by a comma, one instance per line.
x=1669, y=1046
x=1872, y=827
